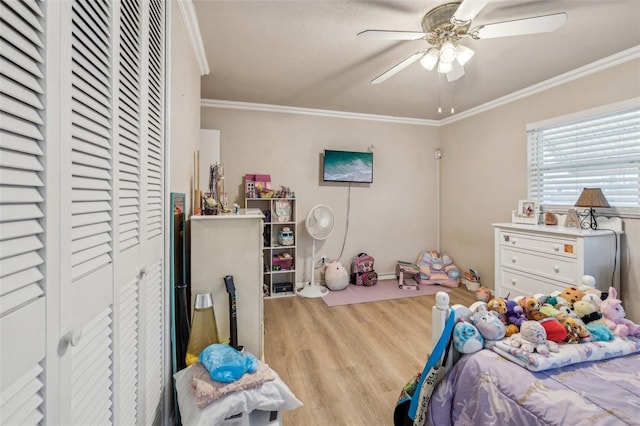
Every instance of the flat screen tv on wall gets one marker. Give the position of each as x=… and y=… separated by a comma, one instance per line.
x=347, y=166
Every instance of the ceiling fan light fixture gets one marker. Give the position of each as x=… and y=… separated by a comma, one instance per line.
x=445, y=67
x=447, y=52
x=430, y=60
x=463, y=54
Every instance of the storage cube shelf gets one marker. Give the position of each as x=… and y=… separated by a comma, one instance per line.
x=279, y=258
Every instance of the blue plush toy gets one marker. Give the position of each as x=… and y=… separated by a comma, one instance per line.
x=466, y=338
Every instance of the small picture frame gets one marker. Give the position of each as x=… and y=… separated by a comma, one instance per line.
x=528, y=212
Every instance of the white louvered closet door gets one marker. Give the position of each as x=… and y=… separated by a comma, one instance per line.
x=87, y=213
x=139, y=246
x=112, y=300
x=153, y=202
x=22, y=159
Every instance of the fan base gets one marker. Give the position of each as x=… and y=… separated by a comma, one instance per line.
x=310, y=291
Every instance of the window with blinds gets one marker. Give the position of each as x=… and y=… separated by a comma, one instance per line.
x=595, y=150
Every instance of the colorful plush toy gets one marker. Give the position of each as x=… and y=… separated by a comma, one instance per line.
x=515, y=317
x=336, y=276
x=572, y=294
x=549, y=311
x=466, y=338
x=556, y=332
x=599, y=333
x=531, y=307
x=483, y=294
x=489, y=325
x=587, y=312
x=576, y=330
x=499, y=305
x=614, y=316
x=533, y=338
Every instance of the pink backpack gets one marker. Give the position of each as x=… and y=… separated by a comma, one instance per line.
x=362, y=272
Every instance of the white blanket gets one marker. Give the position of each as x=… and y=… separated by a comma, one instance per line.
x=570, y=353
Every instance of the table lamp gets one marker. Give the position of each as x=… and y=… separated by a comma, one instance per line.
x=592, y=198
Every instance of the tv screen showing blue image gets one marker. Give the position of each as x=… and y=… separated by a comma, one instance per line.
x=347, y=166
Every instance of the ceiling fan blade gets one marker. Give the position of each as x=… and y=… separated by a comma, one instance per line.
x=538, y=24
x=399, y=67
x=391, y=35
x=456, y=73
x=468, y=10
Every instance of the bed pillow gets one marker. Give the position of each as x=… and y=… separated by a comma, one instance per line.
x=271, y=396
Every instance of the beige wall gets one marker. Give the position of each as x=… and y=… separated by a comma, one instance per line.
x=184, y=133
x=392, y=219
x=484, y=171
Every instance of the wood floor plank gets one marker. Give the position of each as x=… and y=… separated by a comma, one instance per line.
x=348, y=363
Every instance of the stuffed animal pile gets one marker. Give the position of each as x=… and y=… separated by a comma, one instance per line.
x=538, y=323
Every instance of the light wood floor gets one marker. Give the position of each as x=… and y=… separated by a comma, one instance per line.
x=347, y=364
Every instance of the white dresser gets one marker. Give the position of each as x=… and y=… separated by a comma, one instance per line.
x=231, y=244
x=532, y=259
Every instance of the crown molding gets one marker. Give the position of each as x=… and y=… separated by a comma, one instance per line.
x=193, y=29
x=600, y=65
x=249, y=106
x=592, y=68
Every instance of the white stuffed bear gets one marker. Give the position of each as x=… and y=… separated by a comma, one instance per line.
x=533, y=338
x=335, y=276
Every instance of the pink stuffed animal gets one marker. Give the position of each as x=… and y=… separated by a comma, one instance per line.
x=614, y=316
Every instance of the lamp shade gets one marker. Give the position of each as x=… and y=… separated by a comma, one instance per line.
x=430, y=60
x=447, y=52
x=592, y=197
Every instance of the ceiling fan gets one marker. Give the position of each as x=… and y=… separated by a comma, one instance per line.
x=443, y=28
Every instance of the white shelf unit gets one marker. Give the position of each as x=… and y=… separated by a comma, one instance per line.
x=275, y=277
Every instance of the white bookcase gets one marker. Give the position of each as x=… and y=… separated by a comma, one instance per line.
x=279, y=259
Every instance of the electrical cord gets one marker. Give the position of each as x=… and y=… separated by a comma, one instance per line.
x=615, y=255
x=344, y=241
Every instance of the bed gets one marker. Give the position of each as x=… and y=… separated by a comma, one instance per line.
x=493, y=386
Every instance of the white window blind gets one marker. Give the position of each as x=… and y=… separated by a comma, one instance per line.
x=597, y=150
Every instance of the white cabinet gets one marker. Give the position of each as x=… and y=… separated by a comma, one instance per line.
x=231, y=244
x=533, y=259
x=279, y=249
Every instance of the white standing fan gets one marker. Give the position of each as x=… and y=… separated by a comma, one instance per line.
x=320, y=222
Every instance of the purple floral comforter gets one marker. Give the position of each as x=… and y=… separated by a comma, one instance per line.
x=487, y=389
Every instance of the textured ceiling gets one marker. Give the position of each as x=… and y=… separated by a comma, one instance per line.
x=305, y=53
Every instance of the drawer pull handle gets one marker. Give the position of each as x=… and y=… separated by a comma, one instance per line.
x=556, y=269
x=556, y=248
x=513, y=241
x=513, y=281
x=513, y=259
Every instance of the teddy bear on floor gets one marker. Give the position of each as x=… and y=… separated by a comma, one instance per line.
x=614, y=316
x=533, y=338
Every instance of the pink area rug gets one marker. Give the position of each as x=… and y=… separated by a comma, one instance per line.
x=384, y=290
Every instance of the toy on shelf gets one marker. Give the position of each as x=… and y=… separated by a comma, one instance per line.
x=256, y=185
x=215, y=201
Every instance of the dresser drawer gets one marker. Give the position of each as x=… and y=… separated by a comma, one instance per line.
x=513, y=283
x=545, y=244
x=554, y=267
